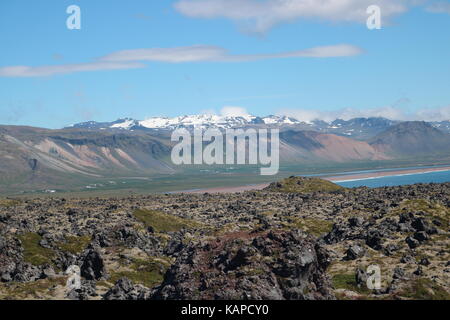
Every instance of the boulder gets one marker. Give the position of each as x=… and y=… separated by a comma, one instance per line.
x=264, y=265
x=124, y=289
x=421, y=236
x=374, y=239
x=412, y=242
x=354, y=252
x=93, y=267
x=361, y=278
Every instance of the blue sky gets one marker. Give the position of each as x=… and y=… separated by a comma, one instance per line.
x=262, y=58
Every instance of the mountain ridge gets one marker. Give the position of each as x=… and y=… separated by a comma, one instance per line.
x=187, y=121
x=360, y=128
x=412, y=138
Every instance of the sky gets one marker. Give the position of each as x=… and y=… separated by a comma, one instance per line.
x=301, y=58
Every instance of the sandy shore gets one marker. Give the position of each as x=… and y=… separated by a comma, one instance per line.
x=380, y=174
x=334, y=178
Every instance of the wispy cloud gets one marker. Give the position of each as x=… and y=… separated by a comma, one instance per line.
x=261, y=15
x=43, y=71
x=204, y=53
x=231, y=111
x=439, y=7
x=131, y=59
x=433, y=114
x=170, y=55
x=389, y=112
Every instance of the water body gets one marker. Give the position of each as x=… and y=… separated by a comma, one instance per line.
x=395, y=177
x=347, y=173
x=398, y=180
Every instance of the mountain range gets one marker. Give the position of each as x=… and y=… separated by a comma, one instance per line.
x=92, y=152
x=204, y=121
x=358, y=128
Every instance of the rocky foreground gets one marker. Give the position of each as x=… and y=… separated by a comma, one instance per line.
x=298, y=239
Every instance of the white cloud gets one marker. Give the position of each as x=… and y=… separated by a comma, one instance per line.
x=43, y=71
x=389, y=112
x=439, y=7
x=203, y=53
x=434, y=114
x=130, y=59
x=170, y=55
x=230, y=111
x=304, y=114
x=264, y=14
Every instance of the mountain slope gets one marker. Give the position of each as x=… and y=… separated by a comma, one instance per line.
x=412, y=139
x=360, y=128
x=31, y=155
x=328, y=147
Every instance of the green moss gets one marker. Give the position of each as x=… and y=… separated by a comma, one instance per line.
x=74, y=245
x=433, y=209
x=30, y=290
x=344, y=281
x=316, y=227
x=348, y=282
x=304, y=185
x=162, y=222
x=33, y=253
x=149, y=273
x=8, y=203
x=425, y=289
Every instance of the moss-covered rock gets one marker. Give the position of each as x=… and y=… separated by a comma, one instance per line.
x=40, y=289
x=32, y=252
x=74, y=245
x=425, y=289
x=303, y=185
x=8, y=203
x=162, y=222
x=348, y=282
x=316, y=227
x=432, y=209
x=148, y=272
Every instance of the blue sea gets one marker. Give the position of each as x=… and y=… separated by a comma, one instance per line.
x=398, y=180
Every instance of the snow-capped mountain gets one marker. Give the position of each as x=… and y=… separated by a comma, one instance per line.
x=361, y=128
x=442, y=125
x=358, y=128
x=192, y=121
x=197, y=121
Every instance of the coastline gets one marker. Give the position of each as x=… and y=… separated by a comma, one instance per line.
x=382, y=174
x=336, y=178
